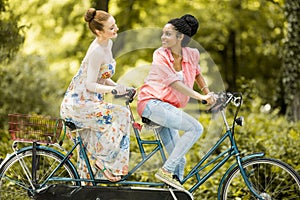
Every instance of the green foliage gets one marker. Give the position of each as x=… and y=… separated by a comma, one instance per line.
x=273, y=135
x=10, y=33
x=28, y=86
x=291, y=61
x=56, y=32
x=244, y=39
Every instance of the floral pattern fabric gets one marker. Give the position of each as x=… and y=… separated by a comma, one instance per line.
x=107, y=126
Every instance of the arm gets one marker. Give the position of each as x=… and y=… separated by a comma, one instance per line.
x=182, y=88
x=209, y=97
x=95, y=60
x=199, y=77
x=202, y=83
x=92, y=85
x=110, y=82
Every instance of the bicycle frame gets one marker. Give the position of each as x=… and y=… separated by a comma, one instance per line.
x=225, y=155
x=216, y=162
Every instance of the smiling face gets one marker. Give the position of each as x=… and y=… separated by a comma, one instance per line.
x=170, y=38
x=110, y=28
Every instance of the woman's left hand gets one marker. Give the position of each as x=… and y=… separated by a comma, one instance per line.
x=121, y=89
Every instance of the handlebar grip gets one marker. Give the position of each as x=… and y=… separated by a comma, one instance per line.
x=114, y=91
x=130, y=93
x=203, y=101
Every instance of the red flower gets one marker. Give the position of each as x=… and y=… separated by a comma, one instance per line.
x=137, y=126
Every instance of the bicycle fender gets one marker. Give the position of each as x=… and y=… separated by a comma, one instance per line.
x=248, y=157
x=10, y=156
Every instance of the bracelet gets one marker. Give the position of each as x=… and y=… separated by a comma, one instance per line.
x=204, y=88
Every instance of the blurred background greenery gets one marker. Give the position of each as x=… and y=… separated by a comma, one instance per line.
x=250, y=46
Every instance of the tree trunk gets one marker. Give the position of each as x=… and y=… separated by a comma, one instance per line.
x=100, y=4
x=232, y=40
x=230, y=59
x=291, y=61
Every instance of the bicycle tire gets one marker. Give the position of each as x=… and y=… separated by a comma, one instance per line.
x=271, y=178
x=14, y=183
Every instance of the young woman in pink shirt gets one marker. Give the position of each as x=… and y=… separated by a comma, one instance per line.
x=167, y=88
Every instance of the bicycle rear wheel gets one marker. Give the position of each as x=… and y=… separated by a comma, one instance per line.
x=272, y=179
x=16, y=174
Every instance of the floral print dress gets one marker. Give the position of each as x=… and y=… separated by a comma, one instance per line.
x=107, y=126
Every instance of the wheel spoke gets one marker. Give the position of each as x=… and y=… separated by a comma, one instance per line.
x=14, y=184
x=270, y=178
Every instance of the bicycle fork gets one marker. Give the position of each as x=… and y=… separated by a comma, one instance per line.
x=248, y=183
x=243, y=172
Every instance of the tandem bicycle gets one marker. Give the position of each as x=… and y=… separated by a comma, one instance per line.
x=45, y=170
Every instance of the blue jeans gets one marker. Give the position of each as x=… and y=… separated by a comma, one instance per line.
x=172, y=119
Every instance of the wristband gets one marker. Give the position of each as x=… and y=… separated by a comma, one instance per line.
x=204, y=88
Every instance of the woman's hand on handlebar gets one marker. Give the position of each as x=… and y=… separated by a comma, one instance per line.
x=209, y=98
x=120, y=90
x=129, y=94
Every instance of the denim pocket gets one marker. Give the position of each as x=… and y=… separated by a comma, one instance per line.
x=147, y=111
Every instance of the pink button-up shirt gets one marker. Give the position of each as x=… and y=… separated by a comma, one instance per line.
x=162, y=74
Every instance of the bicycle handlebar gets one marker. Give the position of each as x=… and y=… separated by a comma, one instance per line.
x=223, y=99
x=129, y=95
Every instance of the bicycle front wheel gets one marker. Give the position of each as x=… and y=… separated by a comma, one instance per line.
x=270, y=178
x=16, y=177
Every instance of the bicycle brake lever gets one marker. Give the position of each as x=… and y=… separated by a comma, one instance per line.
x=128, y=95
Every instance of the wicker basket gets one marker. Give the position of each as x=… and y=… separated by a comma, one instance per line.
x=35, y=128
